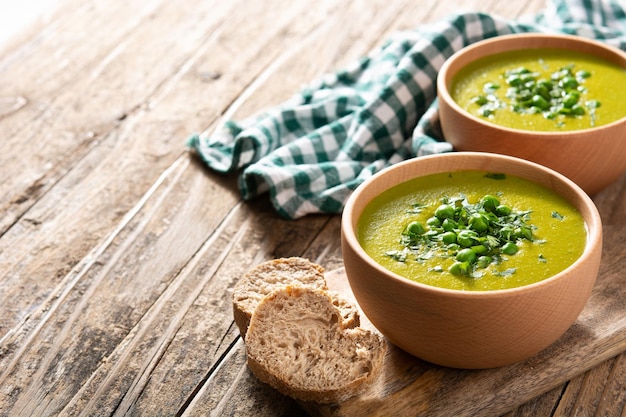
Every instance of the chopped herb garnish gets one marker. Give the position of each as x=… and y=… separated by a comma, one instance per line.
x=542, y=259
x=397, y=255
x=558, y=95
x=557, y=215
x=496, y=176
x=474, y=235
x=505, y=273
x=416, y=208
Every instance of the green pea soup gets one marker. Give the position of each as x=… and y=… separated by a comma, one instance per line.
x=594, y=92
x=559, y=233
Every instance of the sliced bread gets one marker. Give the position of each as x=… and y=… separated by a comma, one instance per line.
x=297, y=344
x=278, y=273
x=267, y=277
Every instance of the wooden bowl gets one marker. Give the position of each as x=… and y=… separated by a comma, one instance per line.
x=469, y=329
x=593, y=158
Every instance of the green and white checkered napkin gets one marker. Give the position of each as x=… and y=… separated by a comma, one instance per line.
x=310, y=152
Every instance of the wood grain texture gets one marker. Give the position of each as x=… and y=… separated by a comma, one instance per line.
x=119, y=250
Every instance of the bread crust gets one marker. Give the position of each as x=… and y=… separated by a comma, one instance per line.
x=296, y=343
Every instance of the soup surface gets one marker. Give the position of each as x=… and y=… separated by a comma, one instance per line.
x=542, y=90
x=558, y=231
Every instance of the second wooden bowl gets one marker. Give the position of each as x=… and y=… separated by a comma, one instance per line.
x=593, y=158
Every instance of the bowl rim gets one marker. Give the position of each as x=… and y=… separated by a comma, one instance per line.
x=593, y=228
x=444, y=92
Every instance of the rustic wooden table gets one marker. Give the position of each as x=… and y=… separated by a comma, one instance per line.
x=119, y=249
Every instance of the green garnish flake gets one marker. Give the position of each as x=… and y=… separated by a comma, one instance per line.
x=416, y=208
x=496, y=176
x=397, y=255
x=506, y=272
x=475, y=236
x=557, y=215
x=542, y=259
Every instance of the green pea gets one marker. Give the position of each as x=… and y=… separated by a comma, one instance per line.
x=459, y=268
x=444, y=211
x=543, y=92
x=503, y=210
x=483, y=261
x=569, y=83
x=489, y=202
x=514, y=80
x=485, y=111
x=448, y=238
x=466, y=255
x=578, y=110
x=509, y=248
x=480, y=100
x=524, y=232
x=478, y=222
x=433, y=222
x=466, y=238
x=479, y=249
x=571, y=99
x=415, y=229
x=449, y=225
x=540, y=102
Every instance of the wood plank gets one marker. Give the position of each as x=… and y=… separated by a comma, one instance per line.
x=92, y=188
x=589, y=389
x=118, y=252
x=88, y=155
x=539, y=406
x=57, y=95
x=614, y=395
x=600, y=391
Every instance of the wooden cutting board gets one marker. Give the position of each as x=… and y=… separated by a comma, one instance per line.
x=411, y=387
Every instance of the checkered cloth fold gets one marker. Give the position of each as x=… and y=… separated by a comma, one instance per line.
x=312, y=151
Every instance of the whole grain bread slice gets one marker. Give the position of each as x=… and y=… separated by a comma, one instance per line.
x=297, y=344
x=279, y=273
